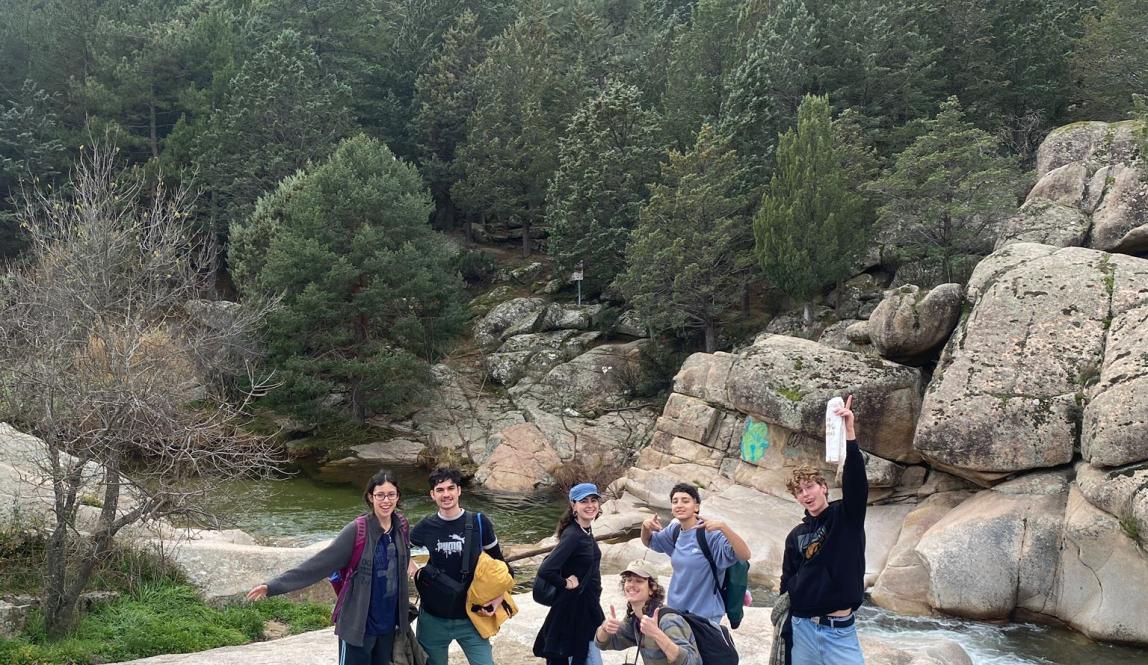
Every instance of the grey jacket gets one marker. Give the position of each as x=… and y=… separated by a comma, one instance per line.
x=673, y=625
x=352, y=622
x=779, y=617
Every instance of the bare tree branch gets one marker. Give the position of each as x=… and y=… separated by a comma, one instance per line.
x=110, y=354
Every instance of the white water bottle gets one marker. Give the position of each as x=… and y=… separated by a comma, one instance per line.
x=834, y=432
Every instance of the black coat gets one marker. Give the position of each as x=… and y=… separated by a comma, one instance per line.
x=576, y=613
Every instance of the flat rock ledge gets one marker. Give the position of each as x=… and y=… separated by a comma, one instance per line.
x=512, y=646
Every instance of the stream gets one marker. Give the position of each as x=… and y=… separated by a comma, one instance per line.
x=313, y=505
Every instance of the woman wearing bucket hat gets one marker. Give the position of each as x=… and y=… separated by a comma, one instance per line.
x=567, y=635
x=661, y=639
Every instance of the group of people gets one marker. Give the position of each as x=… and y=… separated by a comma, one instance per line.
x=465, y=585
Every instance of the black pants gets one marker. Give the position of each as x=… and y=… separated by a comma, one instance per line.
x=566, y=661
x=376, y=650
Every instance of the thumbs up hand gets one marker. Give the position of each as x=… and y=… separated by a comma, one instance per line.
x=650, y=625
x=611, y=625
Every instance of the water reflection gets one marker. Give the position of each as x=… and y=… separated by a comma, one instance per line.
x=315, y=503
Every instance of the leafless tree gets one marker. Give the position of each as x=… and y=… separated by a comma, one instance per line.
x=100, y=358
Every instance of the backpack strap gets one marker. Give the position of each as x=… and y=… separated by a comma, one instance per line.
x=468, y=549
x=404, y=528
x=360, y=543
x=704, y=546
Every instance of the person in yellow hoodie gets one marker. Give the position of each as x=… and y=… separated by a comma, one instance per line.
x=488, y=600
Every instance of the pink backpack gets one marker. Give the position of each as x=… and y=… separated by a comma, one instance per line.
x=339, y=578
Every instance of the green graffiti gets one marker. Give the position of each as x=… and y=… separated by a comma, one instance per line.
x=754, y=440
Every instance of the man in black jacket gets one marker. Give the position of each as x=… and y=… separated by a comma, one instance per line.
x=824, y=566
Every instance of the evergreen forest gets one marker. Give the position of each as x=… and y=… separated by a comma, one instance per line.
x=692, y=157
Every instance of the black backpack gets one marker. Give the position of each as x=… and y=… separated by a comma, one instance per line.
x=715, y=644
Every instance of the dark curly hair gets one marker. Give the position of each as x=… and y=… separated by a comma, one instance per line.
x=657, y=595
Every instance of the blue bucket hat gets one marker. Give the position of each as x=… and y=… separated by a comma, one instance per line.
x=583, y=490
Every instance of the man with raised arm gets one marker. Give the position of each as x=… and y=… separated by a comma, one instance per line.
x=824, y=566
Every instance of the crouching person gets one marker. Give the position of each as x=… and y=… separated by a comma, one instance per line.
x=662, y=640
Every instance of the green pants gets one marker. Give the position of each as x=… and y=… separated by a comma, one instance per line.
x=435, y=635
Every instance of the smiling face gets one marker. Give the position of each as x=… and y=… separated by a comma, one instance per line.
x=684, y=507
x=636, y=589
x=384, y=500
x=813, y=496
x=445, y=495
x=586, y=509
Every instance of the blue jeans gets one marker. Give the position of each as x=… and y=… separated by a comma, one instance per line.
x=593, y=657
x=435, y=635
x=815, y=644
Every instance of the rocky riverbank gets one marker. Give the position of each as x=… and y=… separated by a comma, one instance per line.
x=512, y=646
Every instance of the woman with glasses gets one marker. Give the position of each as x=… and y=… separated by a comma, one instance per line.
x=371, y=608
x=567, y=634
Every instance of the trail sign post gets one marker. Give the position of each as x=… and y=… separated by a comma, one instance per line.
x=577, y=277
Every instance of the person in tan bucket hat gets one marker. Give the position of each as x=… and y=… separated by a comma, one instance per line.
x=662, y=640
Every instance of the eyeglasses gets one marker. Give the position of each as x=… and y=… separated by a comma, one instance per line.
x=479, y=608
x=385, y=496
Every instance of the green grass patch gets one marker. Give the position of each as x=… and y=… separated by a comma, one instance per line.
x=157, y=620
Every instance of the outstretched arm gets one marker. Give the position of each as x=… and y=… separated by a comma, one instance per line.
x=740, y=548
x=854, y=483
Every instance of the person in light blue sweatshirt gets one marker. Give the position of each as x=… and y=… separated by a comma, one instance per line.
x=694, y=587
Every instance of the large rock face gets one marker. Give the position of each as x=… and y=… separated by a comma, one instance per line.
x=1007, y=392
x=786, y=381
x=908, y=324
x=997, y=551
x=595, y=380
x=488, y=332
x=1120, y=222
x=903, y=583
x=1091, y=191
x=522, y=459
x=1102, y=577
x=462, y=417
x=1115, y=430
x=1122, y=494
x=1087, y=142
x=534, y=354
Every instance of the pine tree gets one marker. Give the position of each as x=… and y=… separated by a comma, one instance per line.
x=368, y=294
x=30, y=153
x=1110, y=62
x=768, y=86
x=946, y=194
x=528, y=89
x=691, y=253
x=278, y=113
x=446, y=96
x=610, y=154
x=810, y=227
x=875, y=57
x=703, y=57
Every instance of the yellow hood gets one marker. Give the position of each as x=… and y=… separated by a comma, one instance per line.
x=491, y=579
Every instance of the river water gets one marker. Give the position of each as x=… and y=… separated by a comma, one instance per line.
x=313, y=506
